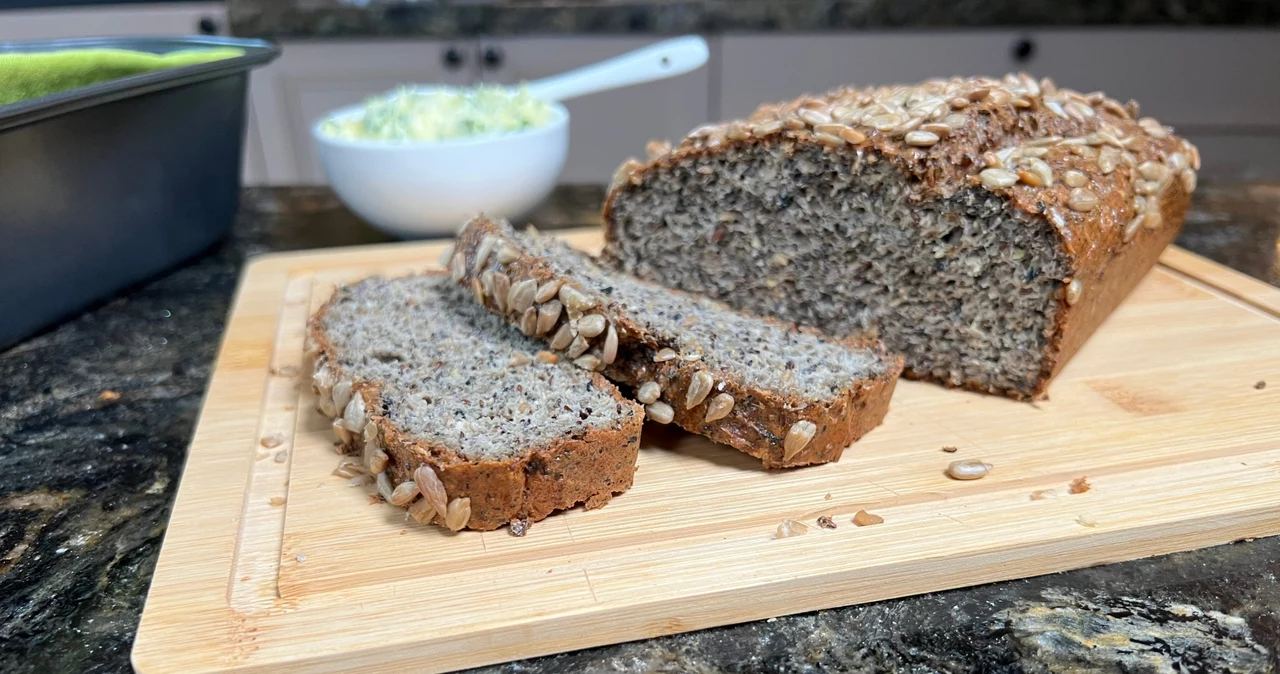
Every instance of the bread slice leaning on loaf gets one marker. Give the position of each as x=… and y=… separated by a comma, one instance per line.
x=983, y=228
x=785, y=396
x=455, y=414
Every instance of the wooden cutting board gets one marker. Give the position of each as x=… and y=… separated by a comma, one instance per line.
x=272, y=564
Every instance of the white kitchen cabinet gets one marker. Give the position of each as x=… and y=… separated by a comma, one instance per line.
x=179, y=18
x=314, y=77
x=608, y=127
x=1208, y=84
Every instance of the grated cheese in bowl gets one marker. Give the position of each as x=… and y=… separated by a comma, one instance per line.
x=408, y=114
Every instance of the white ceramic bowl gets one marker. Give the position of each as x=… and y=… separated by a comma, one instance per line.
x=424, y=189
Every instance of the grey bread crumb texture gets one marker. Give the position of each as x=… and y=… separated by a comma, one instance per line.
x=447, y=371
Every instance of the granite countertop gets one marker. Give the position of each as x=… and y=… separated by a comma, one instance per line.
x=96, y=415
x=453, y=18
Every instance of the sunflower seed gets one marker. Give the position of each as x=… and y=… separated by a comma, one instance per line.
x=342, y=394
x=547, y=357
x=659, y=412
x=578, y=347
x=588, y=362
x=813, y=117
x=1152, y=218
x=548, y=314
x=487, y=244
x=547, y=290
x=609, y=352
x=828, y=139
x=958, y=103
x=458, y=513
x=863, y=518
x=1188, y=178
x=719, y=407
x=798, y=437
x=941, y=130
x=648, y=392
x=458, y=269
x=507, y=254
x=385, y=490
x=691, y=357
x=622, y=176
x=1082, y=199
x=404, y=493
x=1073, y=291
x=377, y=460
x=422, y=511
x=477, y=290
x=995, y=178
x=501, y=290
x=968, y=469
x=699, y=386
x=1078, y=110
x=1056, y=108
x=563, y=337
x=1153, y=128
x=656, y=148
x=446, y=255
x=574, y=299
x=1086, y=151
x=592, y=326
x=529, y=322
x=353, y=415
x=1038, y=173
x=1131, y=230
x=852, y=136
x=790, y=528
x=921, y=138
x=521, y=295
x=1194, y=157
x=736, y=131
x=1075, y=179
x=664, y=355
x=762, y=129
x=432, y=488
x=272, y=441
x=486, y=281
x=347, y=467
x=992, y=160
x=1152, y=170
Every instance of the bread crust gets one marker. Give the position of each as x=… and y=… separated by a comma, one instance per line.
x=760, y=419
x=542, y=479
x=1102, y=249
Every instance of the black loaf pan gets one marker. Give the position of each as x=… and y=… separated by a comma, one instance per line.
x=108, y=184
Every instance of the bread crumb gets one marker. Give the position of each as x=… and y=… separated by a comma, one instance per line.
x=1086, y=521
x=1042, y=494
x=375, y=499
x=276, y=501
x=404, y=531
x=272, y=440
x=950, y=449
x=863, y=518
x=1080, y=485
x=301, y=558
x=281, y=456
x=827, y=497
x=790, y=528
x=1260, y=385
x=826, y=522
x=518, y=527
x=109, y=395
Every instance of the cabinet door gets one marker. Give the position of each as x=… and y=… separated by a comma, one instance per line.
x=313, y=78
x=608, y=127
x=111, y=21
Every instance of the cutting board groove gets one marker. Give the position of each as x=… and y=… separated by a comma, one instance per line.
x=272, y=564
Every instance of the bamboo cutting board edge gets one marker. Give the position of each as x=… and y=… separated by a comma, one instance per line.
x=187, y=622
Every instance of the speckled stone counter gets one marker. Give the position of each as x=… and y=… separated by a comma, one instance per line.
x=450, y=19
x=96, y=414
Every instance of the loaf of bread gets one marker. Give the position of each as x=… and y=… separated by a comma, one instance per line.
x=456, y=414
x=785, y=396
x=982, y=228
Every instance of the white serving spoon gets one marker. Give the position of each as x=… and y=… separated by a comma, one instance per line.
x=655, y=62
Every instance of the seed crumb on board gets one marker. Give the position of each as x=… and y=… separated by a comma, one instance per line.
x=790, y=528
x=863, y=518
x=276, y=501
x=109, y=395
x=1086, y=521
x=1080, y=485
x=375, y=499
x=518, y=527
x=272, y=440
x=968, y=469
x=827, y=497
x=1042, y=494
x=281, y=456
x=826, y=522
x=404, y=531
x=301, y=558
x=286, y=371
x=950, y=449
x=1260, y=385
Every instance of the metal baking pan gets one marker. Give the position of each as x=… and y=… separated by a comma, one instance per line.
x=106, y=185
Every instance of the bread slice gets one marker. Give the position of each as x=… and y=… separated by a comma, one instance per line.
x=443, y=399
x=785, y=396
x=981, y=227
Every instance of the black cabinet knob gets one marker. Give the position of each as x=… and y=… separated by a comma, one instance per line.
x=207, y=26
x=1023, y=50
x=492, y=57
x=453, y=58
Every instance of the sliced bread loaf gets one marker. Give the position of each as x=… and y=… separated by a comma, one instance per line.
x=785, y=396
x=981, y=227
x=457, y=416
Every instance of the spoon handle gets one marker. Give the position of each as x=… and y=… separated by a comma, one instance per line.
x=657, y=61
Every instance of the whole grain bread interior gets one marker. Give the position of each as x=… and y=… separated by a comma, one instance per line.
x=983, y=228
x=455, y=413
x=786, y=396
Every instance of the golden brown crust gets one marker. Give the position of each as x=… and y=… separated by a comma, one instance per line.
x=759, y=420
x=541, y=480
x=986, y=133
